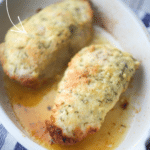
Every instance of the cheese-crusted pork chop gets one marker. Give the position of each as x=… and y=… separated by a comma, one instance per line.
x=91, y=86
x=53, y=36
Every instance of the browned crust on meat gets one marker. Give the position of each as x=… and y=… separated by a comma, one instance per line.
x=25, y=81
x=28, y=82
x=58, y=137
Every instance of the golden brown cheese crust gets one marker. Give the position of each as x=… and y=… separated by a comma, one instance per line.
x=91, y=86
x=53, y=36
x=59, y=138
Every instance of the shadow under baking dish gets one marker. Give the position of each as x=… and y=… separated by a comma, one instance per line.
x=33, y=107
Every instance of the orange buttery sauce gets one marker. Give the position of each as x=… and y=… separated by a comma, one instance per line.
x=33, y=107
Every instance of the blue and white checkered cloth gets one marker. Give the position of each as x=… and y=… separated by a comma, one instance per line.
x=7, y=141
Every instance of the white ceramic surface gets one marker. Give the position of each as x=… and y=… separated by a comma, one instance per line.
x=118, y=20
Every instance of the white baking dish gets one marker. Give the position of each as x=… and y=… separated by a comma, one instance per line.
x=121, y=23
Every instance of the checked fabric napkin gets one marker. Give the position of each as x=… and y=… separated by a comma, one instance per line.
x=7, y=141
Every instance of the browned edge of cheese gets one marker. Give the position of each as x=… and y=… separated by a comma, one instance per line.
x=57, y=133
